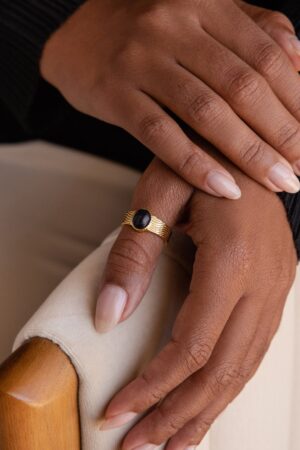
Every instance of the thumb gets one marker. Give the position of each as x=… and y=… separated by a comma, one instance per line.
x=278, y=26
x=134, y=255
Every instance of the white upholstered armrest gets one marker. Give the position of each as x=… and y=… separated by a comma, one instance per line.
x=106, y=362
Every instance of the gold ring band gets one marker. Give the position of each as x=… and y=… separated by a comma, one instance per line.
x=142, y=220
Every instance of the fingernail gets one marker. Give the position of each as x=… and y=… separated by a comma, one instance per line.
x=117, y=421
x=284, y=178
x=223, y=185
x=191, y=447
x=296, y=44
x=296, y=167
x=110, y=306
x=146, y=447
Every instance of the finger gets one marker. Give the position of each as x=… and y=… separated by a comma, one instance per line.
x=197, y=328
x=212, y=117
x=134, y=255
x=151, y=125
x=195, y=430
x=279, y=27
x=206, y=385
x=260, y=51
x=251, y=99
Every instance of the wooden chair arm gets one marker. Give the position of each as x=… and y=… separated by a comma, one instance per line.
x=39, y=399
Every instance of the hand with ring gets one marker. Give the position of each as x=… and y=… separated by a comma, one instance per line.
x=243, y=269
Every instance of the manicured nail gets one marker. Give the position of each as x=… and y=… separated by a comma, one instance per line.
x=223, y=185
x=146, y=447
x=296, y=44
x=117, y=421
x=284, y=178
x=110, y=306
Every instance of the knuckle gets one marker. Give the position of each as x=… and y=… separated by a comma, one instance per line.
x=153, y=129
x=204, y=107
x=171, y=422
x=197, y=352
x=269, y=60
x=128, y=56
x=245, y=87
x=252, y=153
x=155, y=395
x=154, y=18
x=288, y=136
x=227, y=375
x=203, y=425
x=129, y=256
x=189, y=163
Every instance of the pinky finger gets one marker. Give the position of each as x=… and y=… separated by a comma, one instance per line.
x=156, y=129
x=279, y=27
x=192, y=434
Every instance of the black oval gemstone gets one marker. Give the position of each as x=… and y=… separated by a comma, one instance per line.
x=141, y=219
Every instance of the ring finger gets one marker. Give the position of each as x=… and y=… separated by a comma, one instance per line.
x=248, y=93
x=252, y=44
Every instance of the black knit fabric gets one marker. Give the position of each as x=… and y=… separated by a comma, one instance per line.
x=25, y=25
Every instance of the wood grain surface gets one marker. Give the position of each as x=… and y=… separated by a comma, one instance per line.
x=39, y=399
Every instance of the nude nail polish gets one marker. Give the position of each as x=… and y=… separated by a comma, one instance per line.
x=110, y=306
x=117, y=421
x=284, y=178
x=223, y=185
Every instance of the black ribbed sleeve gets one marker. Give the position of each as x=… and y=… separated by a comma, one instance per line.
x=292, y=206
x=25, y=26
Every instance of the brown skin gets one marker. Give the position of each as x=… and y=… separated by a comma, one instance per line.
x=244, y=267
x=124, y=62
x=221, y=66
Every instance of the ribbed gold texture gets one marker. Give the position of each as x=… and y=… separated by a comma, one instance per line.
x=155, y=226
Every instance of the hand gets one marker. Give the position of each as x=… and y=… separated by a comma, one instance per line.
x=227, y=69
x=244, y=267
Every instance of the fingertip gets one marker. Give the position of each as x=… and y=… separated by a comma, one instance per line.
x=110, y=306
x=117, y=421
x=223, y=185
